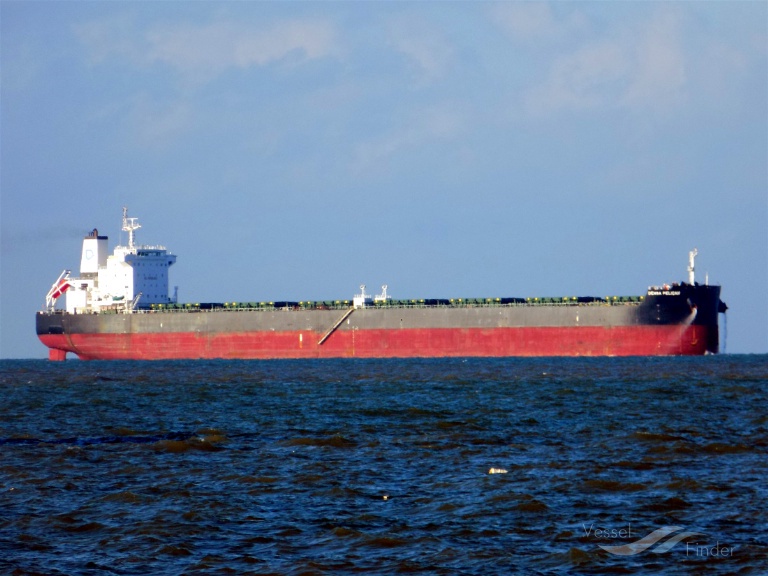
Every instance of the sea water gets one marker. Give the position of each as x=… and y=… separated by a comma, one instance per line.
x=457, y=466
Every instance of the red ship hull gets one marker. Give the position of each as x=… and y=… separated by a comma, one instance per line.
x=660, y=340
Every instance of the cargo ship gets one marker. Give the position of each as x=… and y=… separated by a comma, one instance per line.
x=120, y=308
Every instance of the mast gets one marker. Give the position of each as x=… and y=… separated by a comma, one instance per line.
x=691, y=266
x=129, y=225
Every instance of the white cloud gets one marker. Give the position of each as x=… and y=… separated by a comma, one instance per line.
x=424, y=128
x=158, y=125
x=526, y=20
x=534, y=21
x=589, y=77
x=658, y=75
x=209, y=49
x=640, y=68
x=203, y=51
x=146, y=122
x=109, y=38
x=426, y=49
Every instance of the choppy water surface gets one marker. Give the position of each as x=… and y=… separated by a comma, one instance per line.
x=438, y=466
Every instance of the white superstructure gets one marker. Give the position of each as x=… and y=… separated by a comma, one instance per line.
x=132, y=275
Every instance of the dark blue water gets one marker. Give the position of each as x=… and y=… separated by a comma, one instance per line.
x=384, y=466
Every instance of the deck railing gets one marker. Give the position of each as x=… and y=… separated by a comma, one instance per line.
x=457, y=303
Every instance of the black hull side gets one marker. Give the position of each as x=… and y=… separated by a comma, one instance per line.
x=698, y=305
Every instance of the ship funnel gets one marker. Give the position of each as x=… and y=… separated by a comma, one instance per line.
x=94, y=253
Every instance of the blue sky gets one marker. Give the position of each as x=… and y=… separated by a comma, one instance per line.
x=447, y=149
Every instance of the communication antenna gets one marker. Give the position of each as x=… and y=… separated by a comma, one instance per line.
x=129, y=225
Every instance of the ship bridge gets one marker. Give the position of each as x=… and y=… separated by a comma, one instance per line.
x=133, y=275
